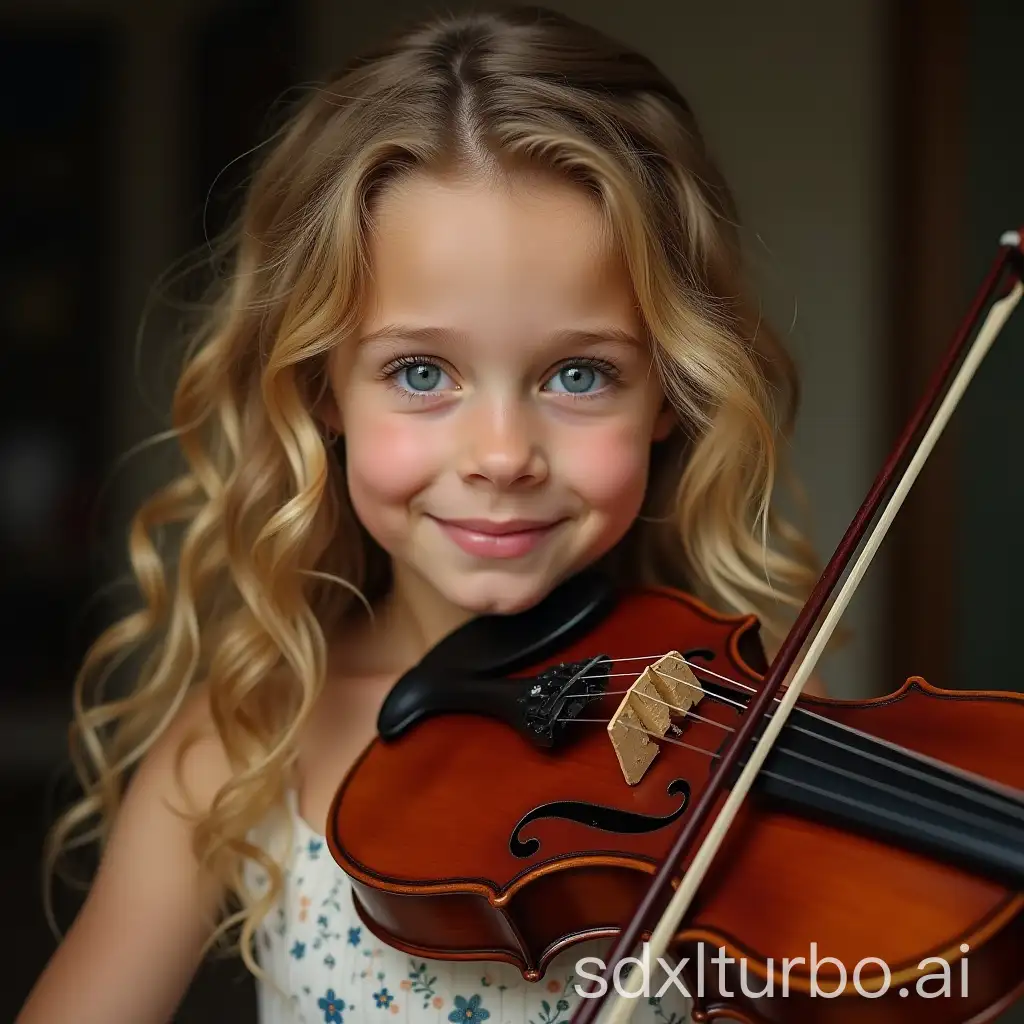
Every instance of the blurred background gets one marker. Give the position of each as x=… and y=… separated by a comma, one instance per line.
x=873, y=151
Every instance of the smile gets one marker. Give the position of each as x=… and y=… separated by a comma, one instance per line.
x=493, y=539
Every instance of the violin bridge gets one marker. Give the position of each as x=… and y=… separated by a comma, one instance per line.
x=666, y=688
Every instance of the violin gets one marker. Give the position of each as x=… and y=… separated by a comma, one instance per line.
x=627, y=763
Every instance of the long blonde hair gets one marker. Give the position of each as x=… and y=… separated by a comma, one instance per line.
x=263, y=553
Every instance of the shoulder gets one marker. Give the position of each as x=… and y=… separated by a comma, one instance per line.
x=136, y=966
x=174, y=785
x=187, y=764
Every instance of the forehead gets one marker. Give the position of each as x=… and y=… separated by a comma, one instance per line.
x=502, y=257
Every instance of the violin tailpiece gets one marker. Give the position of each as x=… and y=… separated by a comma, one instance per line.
x=665, y=689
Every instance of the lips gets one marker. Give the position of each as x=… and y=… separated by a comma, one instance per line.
x=500, y=527
x=494, y=538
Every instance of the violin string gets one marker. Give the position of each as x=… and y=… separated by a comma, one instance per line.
x=965, y=816
x=693, y=665
x=657, y=657
x=620, y=675
x=993, y=800
x=1009, y=793
x=1004, y=805
x=602, y=721
x=690, y=713
x=700, y=668
x=872, y=808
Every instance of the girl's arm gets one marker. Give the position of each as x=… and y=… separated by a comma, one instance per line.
x=133, y=949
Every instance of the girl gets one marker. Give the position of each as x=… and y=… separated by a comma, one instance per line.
x=484, y=324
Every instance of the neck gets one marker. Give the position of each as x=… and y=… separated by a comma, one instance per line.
x=412, y=618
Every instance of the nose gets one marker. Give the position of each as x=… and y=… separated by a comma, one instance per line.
x=502, y=446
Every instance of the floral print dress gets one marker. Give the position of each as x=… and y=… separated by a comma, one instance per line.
x=323, y=966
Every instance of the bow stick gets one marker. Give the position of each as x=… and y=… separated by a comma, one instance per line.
x=625, y=999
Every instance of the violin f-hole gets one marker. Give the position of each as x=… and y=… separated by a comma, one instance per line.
x=600, y=816
x=704, y=653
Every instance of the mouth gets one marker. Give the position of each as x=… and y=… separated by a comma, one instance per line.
x=493, y=538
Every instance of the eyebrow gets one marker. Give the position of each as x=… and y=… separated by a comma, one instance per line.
x=432, y=335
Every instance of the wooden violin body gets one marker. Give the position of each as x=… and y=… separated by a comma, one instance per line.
x=467, y=839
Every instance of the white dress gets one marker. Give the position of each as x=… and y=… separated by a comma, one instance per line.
x=324, y=966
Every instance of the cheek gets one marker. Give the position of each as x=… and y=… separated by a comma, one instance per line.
x=390, y=459
x=614, y=477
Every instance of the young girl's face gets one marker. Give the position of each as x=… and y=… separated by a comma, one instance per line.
x=499, y=403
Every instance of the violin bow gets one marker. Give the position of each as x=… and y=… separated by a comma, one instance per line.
x=626, y=993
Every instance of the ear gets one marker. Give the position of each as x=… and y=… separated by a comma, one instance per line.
x=328, y=412
x=665, y=422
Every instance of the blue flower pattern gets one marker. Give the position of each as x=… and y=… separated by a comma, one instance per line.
x=468, y=1011
x=332, y=1007
x=325, y=967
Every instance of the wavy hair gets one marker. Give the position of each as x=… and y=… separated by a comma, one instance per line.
x=263, y=552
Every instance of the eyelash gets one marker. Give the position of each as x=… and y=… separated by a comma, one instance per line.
x=391, y=371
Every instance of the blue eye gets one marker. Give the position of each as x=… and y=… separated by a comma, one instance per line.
x=421, y=377
x=577, y=378
x=583, y=376
x=412, y=375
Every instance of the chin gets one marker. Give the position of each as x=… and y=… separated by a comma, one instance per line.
x=498, y=593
